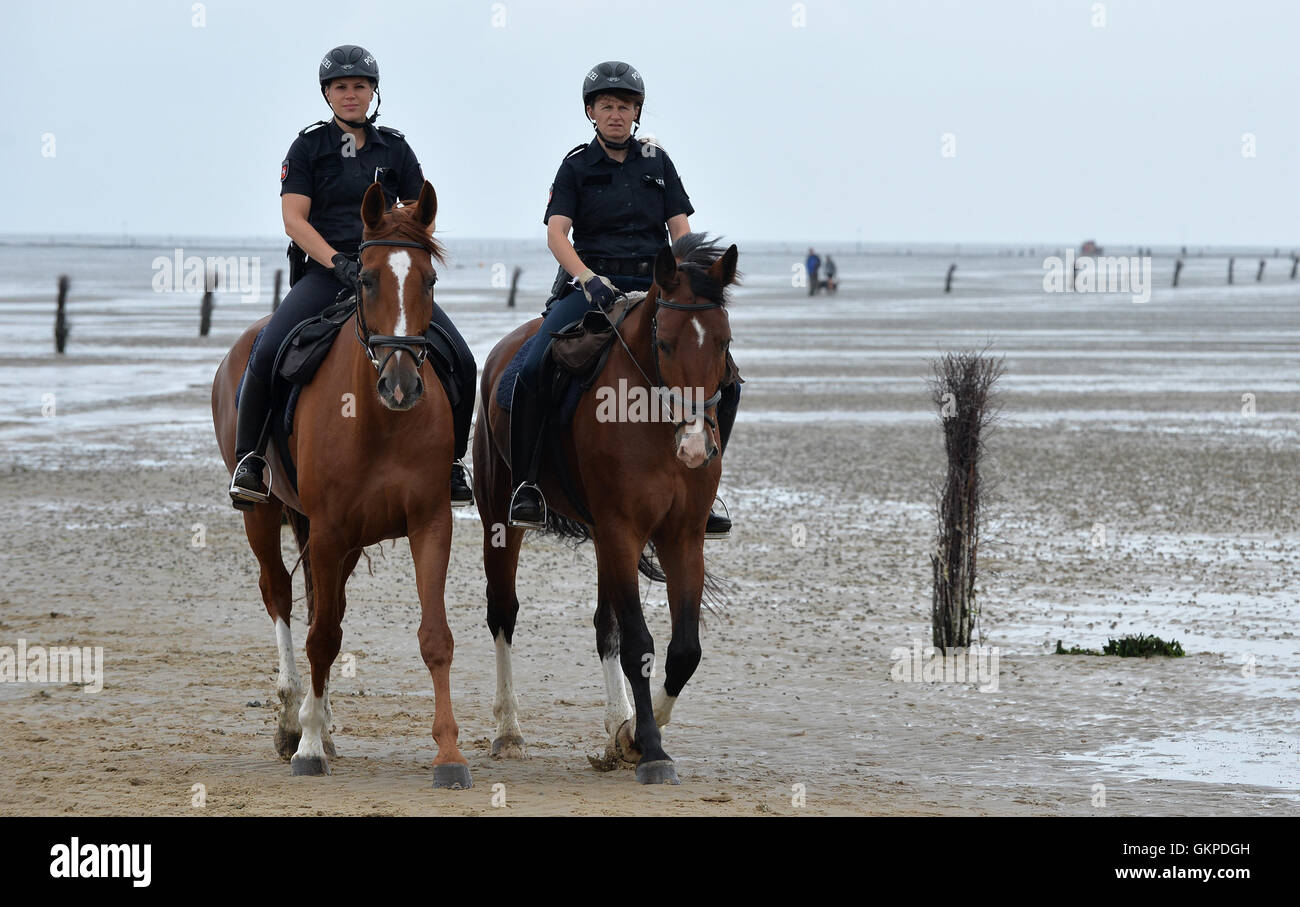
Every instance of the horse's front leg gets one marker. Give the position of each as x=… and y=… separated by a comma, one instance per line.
x=431, y=549
x=681, y=555
x=617, y=553
x=331, y=564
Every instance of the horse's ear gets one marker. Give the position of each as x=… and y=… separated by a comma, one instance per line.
x=724, y=269
x=427, y=208
x=372, y=206
x=666, y=269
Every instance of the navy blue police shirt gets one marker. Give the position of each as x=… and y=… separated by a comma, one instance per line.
x=318, y=168
x=619, y=210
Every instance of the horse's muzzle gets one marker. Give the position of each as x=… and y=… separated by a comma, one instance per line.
x=400, y=386
x=695, y=445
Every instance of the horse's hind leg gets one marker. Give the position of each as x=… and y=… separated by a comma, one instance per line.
x=262, y=526
x=501, y=545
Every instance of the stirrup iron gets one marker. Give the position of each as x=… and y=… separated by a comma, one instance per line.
x=521, y=524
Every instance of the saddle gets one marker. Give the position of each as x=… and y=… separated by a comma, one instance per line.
x=574, y=359
x=305, y=348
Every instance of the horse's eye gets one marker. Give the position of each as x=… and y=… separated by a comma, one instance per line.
x=664, y=348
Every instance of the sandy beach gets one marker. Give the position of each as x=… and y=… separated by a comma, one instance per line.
x=1134, y=489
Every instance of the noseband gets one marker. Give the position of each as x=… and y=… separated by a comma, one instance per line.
x=415, y=345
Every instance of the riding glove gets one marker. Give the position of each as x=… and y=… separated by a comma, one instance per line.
x=346, y=270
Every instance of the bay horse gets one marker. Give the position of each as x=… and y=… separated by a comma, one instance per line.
x=640, y=482
x=372, y=441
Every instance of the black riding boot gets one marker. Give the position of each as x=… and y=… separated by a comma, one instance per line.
x=718, y=526
x=246, y=488
x=462, y=495
x=527, y=421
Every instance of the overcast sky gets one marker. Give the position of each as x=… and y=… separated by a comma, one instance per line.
x=829, y=127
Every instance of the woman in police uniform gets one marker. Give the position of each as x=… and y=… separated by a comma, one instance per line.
x=623, y=200
x=322, y=181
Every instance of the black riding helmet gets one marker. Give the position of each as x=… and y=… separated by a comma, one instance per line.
x=614, y=76
x=351, y=61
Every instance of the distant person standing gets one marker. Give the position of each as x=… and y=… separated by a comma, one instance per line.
x=830, y=274
x=813, y=264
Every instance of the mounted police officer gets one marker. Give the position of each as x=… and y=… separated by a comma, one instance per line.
x=322, y=181
x=617, y=194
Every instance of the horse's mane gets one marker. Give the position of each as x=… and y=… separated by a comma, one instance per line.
x=400, y=223
x=695, y=254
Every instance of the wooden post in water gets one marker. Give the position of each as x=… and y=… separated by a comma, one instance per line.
x=61, y=326
x=1295, y=260
x=963, y=389
x=205, y=308
x=1178, y=269
x=1231, y=262
x=514, y=286
x=947, y=283
x=275, y=300
x=1259, y=275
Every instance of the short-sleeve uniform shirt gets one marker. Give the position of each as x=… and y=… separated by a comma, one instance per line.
x=619, y=209
x=335, y=177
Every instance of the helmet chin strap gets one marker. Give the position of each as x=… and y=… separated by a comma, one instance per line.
x=610, y=143
x=361, y=124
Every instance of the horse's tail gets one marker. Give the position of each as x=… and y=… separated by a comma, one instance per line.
x=716, y=589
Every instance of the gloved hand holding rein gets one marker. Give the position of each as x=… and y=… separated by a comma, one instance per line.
x=598, y=290
x=346, y=270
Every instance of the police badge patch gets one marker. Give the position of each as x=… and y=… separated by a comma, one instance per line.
x=284, y=171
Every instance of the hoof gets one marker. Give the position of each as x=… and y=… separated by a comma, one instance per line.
x=509, y=747
x=286, y=742
x=452, y=776
x=661, y=771
x=308, y=765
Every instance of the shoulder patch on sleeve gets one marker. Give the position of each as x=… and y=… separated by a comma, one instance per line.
x=389, y=130
x=284, y=171
x=307, y=129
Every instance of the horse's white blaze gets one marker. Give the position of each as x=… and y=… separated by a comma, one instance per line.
x=315, y=717
x=663, y=706
x=400, y=263
x=617, y=707
x=505, y=707
x=699, y=329
x=288, y=687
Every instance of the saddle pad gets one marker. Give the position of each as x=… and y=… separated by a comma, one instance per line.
x=506, y=387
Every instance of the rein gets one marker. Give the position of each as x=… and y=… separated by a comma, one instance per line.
x=415, y=345
x=665, y=395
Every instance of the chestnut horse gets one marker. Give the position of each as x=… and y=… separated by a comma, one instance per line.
x=372, y=441
x=640, y=482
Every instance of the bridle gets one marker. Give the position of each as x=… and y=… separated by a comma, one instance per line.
x=415, y=345
x=666, y=396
